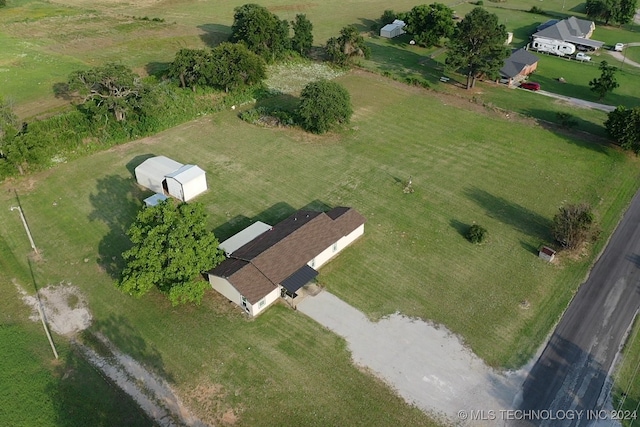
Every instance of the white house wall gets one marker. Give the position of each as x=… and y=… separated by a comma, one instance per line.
x=269, y=299
x=225, y=288
x=335, y=248
x=194, y=187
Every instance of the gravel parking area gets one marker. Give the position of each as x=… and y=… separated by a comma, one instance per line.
x=426, y=364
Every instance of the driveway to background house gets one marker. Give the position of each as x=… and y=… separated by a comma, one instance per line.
x=426, y=364
x=578, y=102
x=622, y=57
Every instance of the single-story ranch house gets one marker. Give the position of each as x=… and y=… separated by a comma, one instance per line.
x=518, y=66
x=571, y=30
x=265, y=263
x=168, y=177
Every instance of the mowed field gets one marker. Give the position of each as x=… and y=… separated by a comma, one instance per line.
x=467, y=164
x=44, y=41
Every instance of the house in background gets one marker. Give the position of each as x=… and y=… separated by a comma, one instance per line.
x=265, y=263
x=518, y=66
x=165, y=176
x=395, y=29
x=571, y=30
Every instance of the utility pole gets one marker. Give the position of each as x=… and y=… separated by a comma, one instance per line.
x=26, y=227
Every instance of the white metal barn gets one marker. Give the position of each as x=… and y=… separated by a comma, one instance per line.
x=165, y=176
x=186, y=182
x=392, y=30
x=151, y=173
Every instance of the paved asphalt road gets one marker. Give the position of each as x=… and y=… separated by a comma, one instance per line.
x=570, y=373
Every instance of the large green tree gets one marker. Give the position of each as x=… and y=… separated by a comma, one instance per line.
x=618, y=11
x=262, y=31
x=606, y=82
x=302, y=39
x=574, y=225
x=324, y=104
x=478, y=46
x=349, y=44
x=192, y=67
x=113, y=87
x=171, y=248
x=429, y=24
x=623, y=125
x=235, y=66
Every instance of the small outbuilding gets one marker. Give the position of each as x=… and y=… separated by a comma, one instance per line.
x=547, y=254
x=395, y=29
x=186, y=182
x=168, y=177
x=154, y=200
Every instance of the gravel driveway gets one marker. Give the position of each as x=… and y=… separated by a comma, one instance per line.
x=427, y=365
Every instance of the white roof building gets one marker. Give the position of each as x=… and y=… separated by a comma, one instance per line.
x=165, y=176
x=238, y=240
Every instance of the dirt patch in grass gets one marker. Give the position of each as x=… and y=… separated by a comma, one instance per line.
x=208, y=402
x=65, y=308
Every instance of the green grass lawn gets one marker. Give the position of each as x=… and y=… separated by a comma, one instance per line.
x=37, y=389
x=633, y=53
x=466, y=167
x=626, y=390
x=578, y=75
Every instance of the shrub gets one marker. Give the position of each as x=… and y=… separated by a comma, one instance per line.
x=476, y=234
x=574, y=225
x=323, y=104
x=536, y=10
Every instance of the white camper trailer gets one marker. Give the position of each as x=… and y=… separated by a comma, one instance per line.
x=555, y=47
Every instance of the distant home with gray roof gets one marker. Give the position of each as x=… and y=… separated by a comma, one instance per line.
x=572, y=30
x=518, y=66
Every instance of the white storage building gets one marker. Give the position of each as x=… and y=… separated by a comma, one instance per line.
x=392, y=30
x=166, y=176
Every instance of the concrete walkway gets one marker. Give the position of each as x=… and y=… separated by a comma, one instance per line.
x=428, y=366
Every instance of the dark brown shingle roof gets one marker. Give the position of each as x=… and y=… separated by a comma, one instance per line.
x=256, y=268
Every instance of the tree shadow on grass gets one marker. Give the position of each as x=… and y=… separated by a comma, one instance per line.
x=460, y=227
x=524, y=32
x=283, y=101
x=82, y=396
x=127, y=340
x=271, y=216
x=157, y=69
x=518, y=217
x=61, y=91
x=368, y=24
x=581, y=133
x=527, y=246
x=392, y=57
x=214, y=34
x=116, y=203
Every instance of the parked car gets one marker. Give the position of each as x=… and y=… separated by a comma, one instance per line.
x=530, y=86
x=580, y=56
x=618, y=47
